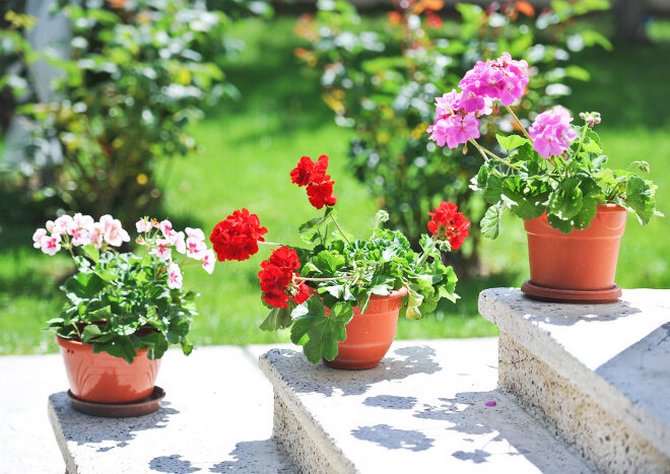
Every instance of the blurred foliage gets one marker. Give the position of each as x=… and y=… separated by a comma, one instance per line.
x=382, y=82
x=139, y=72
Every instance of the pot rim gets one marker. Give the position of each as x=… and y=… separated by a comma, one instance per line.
x=400, y=293
x=610, y=207
x=62, y=341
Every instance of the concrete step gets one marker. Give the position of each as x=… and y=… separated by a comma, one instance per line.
x=598, y=374
x=428, y=407
x=216, y=417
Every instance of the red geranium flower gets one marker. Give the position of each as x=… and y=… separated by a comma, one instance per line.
x=321, y=194
x=449, y=224
x=319, y=172
x=237, y=236
x=301, y=174
x=318, y=182
x=303, y=293
x=285, y=257
x=277, y=281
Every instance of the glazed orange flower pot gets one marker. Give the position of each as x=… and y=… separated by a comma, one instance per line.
x=370, y=335
x=103, y=378
x=582, y=263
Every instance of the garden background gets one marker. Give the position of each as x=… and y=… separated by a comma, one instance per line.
x=250, y=140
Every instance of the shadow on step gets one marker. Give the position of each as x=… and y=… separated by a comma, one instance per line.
x=402, y=363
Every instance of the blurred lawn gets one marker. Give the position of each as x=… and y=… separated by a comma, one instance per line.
x=249, y=147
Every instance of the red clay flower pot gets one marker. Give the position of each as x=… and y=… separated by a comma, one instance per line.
x=103, y=378
x=370, y=335
x=579, y=266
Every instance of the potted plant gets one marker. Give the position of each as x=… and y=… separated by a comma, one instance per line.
x=552, y=175
x=341, y=296
x=123, y=309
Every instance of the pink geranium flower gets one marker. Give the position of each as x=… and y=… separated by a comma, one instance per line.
x=504, y=79
x=454, y=130
x=37, y=238
x=175, y=280
x=50, y=244
x=113, y=231
x=143, y=225
x=162, y=250
x=208, y=261
x=552, y=133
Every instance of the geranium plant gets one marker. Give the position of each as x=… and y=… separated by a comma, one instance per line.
x=553, y=167
x=314, y=290
x=121, y=302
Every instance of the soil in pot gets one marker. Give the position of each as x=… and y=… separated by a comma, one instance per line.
x=103, y=378
x=370, y=335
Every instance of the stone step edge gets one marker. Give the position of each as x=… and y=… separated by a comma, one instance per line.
x=326, y=451
x=587, y=381
x=333, y=460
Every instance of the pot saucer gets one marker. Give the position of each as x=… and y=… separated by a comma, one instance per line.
x=119, y=410
x=558, y=295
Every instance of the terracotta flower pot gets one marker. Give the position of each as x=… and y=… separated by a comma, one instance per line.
x=103, y=378
x=370, y=335
x=579, y=266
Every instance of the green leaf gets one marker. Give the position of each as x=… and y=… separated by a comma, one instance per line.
x=526, y=206
x=316, y=222
x=318, y=333
x=278, y=318
x=490, y=223
x=120, y=347
x=586, y=214
x=560, y=224
x=493, y=189
x=640, y=197
x=414, y=301
x=91, y=331
x=566, y=201
x=91, y=252
x=511, y=142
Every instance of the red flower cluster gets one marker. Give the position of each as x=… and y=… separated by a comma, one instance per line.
x=449, y=224
x=237, y=236
x=313, y=175
x=276, y=278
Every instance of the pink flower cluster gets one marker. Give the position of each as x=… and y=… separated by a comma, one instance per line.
x=457, y=113
x=504, y=79
x=551, y=132
x=162, y=238
x=453, y=125
x=78, y=231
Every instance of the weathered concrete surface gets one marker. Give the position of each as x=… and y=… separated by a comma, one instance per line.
x=422, y=410
x=26, y=441
x=600, y=374
x=216, y=417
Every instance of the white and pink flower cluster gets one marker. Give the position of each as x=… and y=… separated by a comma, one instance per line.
x=505, y=80
x=163, y=239
x=78, y=231
x=458, y=113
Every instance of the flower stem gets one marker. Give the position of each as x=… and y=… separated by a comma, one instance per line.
x=585, y=129
x=523, y=129
x=344, y=236
x=272, y=244
x=301, y=278
x=483, y=151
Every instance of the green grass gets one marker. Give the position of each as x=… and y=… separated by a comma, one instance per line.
x=249, y=147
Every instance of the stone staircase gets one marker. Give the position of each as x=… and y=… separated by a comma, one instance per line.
x=579, y=388
x=598, y=375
